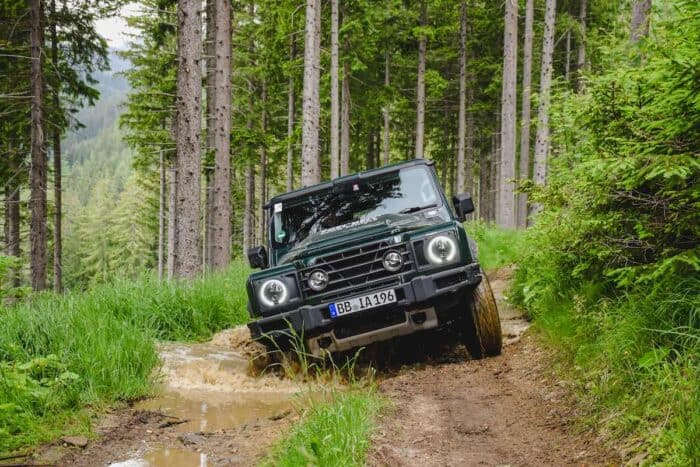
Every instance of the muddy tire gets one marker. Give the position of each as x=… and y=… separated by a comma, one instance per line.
x=482, y=326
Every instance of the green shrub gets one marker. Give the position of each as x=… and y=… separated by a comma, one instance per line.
x=611, y=272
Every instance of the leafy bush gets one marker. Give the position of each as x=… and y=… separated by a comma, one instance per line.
x=612, y=268
x=59, y=354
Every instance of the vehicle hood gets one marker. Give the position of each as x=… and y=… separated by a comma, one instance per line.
x=359, y=232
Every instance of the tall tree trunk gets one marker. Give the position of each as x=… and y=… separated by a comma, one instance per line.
x=209, y=80
x=345, y=118
x=462, y=174
x=291, y=104
x=188, y=101
x=385, y=111
x=37, y=202
x=12, y=219
x=172, y=221
x=494, y=191
x=310, y=173
x=506, y=211
x=469, y=153
x=640, y=20
x=263, y=165
x=542, y=140
x=484, y=171
x=249, y=208
x=524, y=172
x=420, y=87
x=221, y=193
x=161, y=215
x=567, y=59
x=57, y=178
x=370, y=149
x=335, y=102
x=581, y=57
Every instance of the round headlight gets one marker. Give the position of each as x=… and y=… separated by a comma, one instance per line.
x=273, y=293
x=318, y=280
x=392, y=261
x=441, y=249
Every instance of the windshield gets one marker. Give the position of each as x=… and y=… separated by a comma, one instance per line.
x=363, y=202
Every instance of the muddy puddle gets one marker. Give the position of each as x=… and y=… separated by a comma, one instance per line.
x=205, y=388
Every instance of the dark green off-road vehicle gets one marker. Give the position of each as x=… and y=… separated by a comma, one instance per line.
x=368, y=257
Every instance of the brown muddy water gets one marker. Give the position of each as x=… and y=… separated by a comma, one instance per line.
x=206, y=387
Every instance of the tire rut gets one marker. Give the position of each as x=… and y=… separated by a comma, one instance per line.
x=505, y=410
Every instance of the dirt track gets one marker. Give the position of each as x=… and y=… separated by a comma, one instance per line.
x=446, y=410
x=498, y=411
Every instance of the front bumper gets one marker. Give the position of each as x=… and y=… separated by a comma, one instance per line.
x=422, y=294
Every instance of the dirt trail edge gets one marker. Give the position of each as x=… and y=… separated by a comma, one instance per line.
x=498, y=411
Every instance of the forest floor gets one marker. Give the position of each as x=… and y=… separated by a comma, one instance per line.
x=444, y=410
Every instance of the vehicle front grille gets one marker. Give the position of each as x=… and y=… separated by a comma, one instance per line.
x=355, y=270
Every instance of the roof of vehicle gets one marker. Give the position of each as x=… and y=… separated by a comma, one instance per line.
x=346, y=178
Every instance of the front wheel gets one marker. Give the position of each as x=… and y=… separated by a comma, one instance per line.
x=481, y=327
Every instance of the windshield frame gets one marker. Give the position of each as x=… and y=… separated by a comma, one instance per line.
x=329, y=187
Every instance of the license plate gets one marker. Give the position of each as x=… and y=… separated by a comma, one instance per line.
x=365, y=302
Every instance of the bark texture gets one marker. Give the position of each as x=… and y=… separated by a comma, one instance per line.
x=291, y=108
x=57, y=177
x=462, y=174
x=37, y=201
x=335, y=98
x=581, y=54
x=172, y=222
x=506, y=211
x=310, y=173
x=386, y=111
x=542, y=140
x=263, y=167
x=161, y=215
x=221, y=187
x=420, y=87
x=640, y=20
x=524, y=172
x=12, y=219
x=188, y=101
x=345, y=121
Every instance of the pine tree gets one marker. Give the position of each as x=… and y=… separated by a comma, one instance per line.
x=506, y=208
x=188, y=129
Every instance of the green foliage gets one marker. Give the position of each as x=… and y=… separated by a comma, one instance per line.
x=612, y=268
x=331, y=432
x=59, y=354
x=497, y=246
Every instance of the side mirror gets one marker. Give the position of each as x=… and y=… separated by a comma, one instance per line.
x=463, y=205
x=257, y=257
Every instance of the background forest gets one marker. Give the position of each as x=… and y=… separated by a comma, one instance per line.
x=576, y=122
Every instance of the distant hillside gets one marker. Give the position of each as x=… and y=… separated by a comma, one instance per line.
x=113, y=90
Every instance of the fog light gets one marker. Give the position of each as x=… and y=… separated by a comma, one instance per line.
x=393, y=261
x=318, y=280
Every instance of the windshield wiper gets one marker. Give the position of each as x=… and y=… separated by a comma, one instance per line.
x=417, y=208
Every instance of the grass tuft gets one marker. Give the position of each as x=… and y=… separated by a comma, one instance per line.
x=334, y=430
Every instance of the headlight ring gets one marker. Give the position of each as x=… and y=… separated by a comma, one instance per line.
x=273, y=292
x=441, y=249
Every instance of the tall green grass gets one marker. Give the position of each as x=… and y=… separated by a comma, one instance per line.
x=633, y=354
x=335, y=431
x=60, y=354
x=498, y=247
